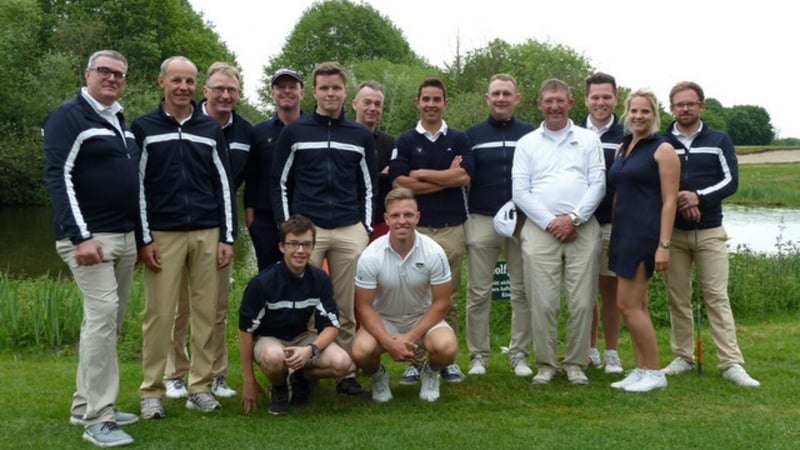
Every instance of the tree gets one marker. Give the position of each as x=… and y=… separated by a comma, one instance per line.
x=338, y=30
x=44, y=48
x=749, y=125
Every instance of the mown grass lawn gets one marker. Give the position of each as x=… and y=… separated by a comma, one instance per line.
x=496, y=411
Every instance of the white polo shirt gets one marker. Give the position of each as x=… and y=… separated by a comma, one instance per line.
x=403, y=285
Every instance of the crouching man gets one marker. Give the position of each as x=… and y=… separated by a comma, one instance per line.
x=402, y=297
x=273, y=324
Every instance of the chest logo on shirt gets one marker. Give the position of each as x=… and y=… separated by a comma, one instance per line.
x=269, y=140
x=419, y=265
x=574, y=144
x=449, y=149
x=418, y=149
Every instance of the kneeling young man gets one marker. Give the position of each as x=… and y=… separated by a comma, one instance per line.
x=402, y=297
x=273, y=324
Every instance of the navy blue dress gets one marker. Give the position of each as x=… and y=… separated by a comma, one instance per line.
x=637, y=211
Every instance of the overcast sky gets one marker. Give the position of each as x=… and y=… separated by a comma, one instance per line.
x=741, y=53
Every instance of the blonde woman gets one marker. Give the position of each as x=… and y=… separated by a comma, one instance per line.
x=645, y=175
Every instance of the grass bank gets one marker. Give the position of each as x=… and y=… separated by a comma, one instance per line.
x=495, y=411
x=768, y=185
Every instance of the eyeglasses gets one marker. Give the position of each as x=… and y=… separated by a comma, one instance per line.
x=219, y=90
x=105, y=72
x=690, y=105
x=293, y=245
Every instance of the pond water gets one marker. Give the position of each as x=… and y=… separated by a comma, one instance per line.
x=27, y=245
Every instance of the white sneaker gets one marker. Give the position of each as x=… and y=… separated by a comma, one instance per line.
x=221, y=389
x=429, y=380
x=576, y=376
x=677, y=367
x=652, y=379
x=176, y=388
x=478, y=365
x=632, y=377
x=738, y=375
x=544, y=375
x=203, y=402
x=612, y=362
x=520, y=367
x=381, y=392
x=594, y=357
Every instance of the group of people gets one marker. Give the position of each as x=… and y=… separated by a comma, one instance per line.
x=597, y=208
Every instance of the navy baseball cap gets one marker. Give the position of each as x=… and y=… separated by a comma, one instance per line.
x=286, y=72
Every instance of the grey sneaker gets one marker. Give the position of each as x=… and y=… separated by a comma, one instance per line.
x=151, y=408
x=202, y=401
x=738, y=375
x=575, y=375
x=176, y=388
x=594, y=357
x=478, y=365
x=429, y=380
x=677, y=367
x=612, y=362
x=544, y=375
x=221, y=389
x=122, y=418
x=520, y=367
x=381, y=392
x=106, y=434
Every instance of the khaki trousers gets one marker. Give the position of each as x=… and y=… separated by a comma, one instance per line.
x=342, y=246
x=451, y=239
x=548, y=264
x=707, y=249
x=177, y=358
x=193, y=253
x=483, y=247
x=105, y=287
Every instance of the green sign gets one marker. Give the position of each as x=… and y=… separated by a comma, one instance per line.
x=501, y=286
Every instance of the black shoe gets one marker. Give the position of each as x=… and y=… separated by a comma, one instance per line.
x=350, y=386
x=279, y=404
x=301, y=388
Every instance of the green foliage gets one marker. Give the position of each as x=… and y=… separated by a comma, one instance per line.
x=749, y=125
x=714, y=115
x=338, y=30
x=44, y=48
x=789, y=142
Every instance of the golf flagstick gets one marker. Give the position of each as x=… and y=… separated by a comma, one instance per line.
x=698, y=318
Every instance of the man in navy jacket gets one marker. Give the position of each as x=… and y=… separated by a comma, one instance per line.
x=709, y=173
x=323, y=169
x=187, y=225
x=493, y=142
x=91, y=169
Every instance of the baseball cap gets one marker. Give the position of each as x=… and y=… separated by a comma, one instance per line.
x=505, y=221
x=286, y=72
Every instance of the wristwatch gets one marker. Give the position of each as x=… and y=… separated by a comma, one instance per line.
x=664, y=243
x=314, y=350
x=575, y=220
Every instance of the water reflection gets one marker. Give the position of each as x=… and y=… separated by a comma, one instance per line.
x=27, y=247
x=761, y=229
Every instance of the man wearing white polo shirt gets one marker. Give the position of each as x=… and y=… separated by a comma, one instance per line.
x=402, y=297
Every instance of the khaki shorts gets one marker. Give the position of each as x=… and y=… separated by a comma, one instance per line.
x=605, y=239
x=405, y=327
x=305, y=338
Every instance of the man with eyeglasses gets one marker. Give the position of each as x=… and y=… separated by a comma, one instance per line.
x=221, y=93
x=91, y=170
x=323, y=169
x=186, y=229
x=286, y=92
x=276, y=308
x=709, y=174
